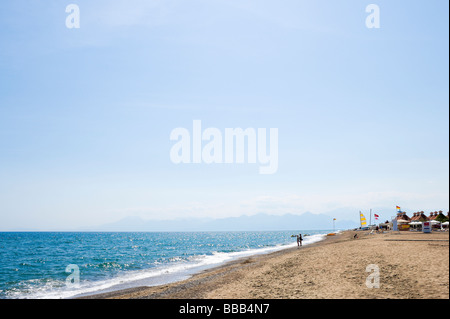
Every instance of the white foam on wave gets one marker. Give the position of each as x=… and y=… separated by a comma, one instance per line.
x=163, y=274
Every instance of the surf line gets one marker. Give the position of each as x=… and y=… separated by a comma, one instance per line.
x=226, y=148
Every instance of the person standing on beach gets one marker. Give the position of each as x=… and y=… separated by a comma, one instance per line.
x=299, y=239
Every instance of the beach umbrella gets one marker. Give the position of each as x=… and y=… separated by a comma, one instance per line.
x=445, y=223
x=415, y=223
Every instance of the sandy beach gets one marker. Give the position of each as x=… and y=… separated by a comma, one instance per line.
x=411, y=266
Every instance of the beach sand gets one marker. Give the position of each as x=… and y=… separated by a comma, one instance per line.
x=411, y=265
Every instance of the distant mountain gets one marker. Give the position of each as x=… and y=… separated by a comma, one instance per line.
x=305, y=221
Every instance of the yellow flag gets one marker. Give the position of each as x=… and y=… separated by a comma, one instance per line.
x=362, y=220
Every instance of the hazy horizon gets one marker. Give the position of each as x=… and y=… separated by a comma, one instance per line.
x=255, y=222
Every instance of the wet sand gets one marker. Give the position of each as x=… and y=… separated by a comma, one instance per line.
x=411, y=265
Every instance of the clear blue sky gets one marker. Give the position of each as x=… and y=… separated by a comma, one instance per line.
x=86, y=114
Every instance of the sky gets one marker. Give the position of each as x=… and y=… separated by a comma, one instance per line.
x=86, y=113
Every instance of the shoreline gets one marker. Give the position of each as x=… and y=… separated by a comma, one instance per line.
x=199, y=270
x=202, y=275
x=411, y=265
x=194, y=270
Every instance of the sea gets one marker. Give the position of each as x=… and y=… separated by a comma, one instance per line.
x=54, y=265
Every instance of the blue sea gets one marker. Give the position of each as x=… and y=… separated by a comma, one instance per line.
x=66, y=265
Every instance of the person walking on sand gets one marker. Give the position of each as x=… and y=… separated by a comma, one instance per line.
x=299, y=239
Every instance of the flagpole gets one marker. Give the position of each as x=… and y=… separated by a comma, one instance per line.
x=360, y=225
